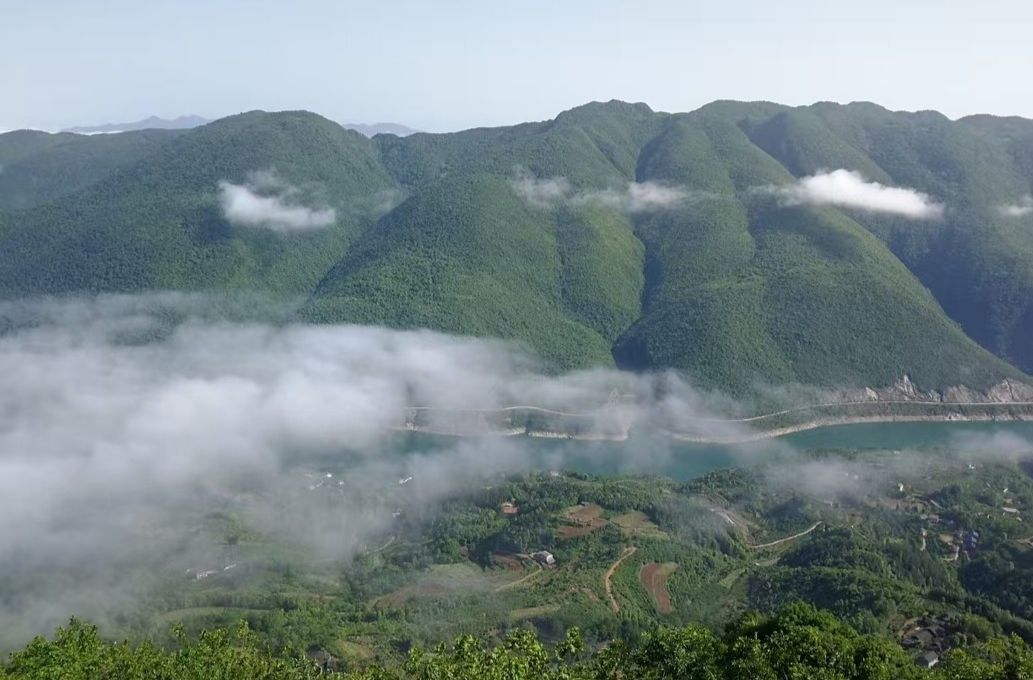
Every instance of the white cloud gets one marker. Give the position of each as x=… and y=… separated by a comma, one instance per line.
x=544, y=193
x=1021, y=209
x=850, y=189
x=635, y=197
x=265, y=201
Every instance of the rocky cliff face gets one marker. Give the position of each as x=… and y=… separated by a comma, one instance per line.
x=1007, y=391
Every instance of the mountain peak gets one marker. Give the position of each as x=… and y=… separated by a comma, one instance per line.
x=611, y=107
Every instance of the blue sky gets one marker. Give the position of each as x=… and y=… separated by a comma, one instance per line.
x=452, y=64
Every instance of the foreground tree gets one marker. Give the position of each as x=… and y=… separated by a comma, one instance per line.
x=797, y=643
x=79, y=653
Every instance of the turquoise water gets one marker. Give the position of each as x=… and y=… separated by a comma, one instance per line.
x=684, y=460
x=903, y=435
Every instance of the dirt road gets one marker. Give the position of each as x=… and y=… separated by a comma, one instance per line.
x=628, y=552
x=787, y=538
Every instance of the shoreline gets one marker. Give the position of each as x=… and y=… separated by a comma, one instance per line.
x=753, y=435
x=759, y=435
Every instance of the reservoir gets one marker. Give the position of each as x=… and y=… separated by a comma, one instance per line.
x=643, y=454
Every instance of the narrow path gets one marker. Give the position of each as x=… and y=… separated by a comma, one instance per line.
x=539, y=409
x=812, y=407
x=787, y=538
x=609, y=574
x=513, y=584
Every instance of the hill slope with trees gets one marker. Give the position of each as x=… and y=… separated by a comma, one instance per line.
x=613, y=234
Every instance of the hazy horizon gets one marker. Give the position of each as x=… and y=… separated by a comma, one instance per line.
x=458, y=64
x=403, y=123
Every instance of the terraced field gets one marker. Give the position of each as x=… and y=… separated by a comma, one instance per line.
x=581, y=520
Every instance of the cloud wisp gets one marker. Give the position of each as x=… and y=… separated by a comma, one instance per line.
x=637, y=197
x=1021, y=208
x=265, y=201
x=850, y=189
x=632, y=198
x=543, y=193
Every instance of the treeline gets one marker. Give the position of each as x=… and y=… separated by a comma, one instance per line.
x=798, y=642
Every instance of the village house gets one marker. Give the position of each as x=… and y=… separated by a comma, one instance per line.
x=921, y=639
x=928, y=660
x=544, y=558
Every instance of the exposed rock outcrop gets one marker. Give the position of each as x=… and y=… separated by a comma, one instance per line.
x=1007, y=391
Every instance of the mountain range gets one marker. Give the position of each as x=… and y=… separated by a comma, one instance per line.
x=192, y=121
x=149, y=123
x=740, y=244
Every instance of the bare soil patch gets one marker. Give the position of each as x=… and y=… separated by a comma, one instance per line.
x=653, y=577
x=583, y=514
x=581, y=520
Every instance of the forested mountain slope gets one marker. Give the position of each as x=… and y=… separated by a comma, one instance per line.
x=36, y=167
x=159, y=224
x=739, y=243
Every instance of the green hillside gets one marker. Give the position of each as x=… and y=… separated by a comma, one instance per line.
x=468, y=256
x=38, y=168
x=157, y=224
x=610, y=235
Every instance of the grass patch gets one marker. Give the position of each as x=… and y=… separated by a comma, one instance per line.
x=530, y=612
x=729, y=581
x=353, y=650
x=188, y=612
x=638, y=524
x=441, y=580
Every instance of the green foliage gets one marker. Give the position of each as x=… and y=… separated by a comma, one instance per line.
x=156, y=223
x=79, y=653
x=798, y=643
x=468, y=256
x=39, y=168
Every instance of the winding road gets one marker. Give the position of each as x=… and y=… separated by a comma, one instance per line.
x=787, y=538
x=750, y=419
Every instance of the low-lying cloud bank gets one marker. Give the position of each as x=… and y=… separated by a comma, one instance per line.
x=114, y=421
x=1023, y=207
x=123, y=415
x=633, y=198
x=266, y=201
x=850, y=189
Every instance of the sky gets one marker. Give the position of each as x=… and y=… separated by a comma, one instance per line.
x=453, y=64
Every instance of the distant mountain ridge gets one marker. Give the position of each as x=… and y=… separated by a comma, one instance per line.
x=150, y=123
x=742, y=244
x=192, y=121
x=381, y=129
